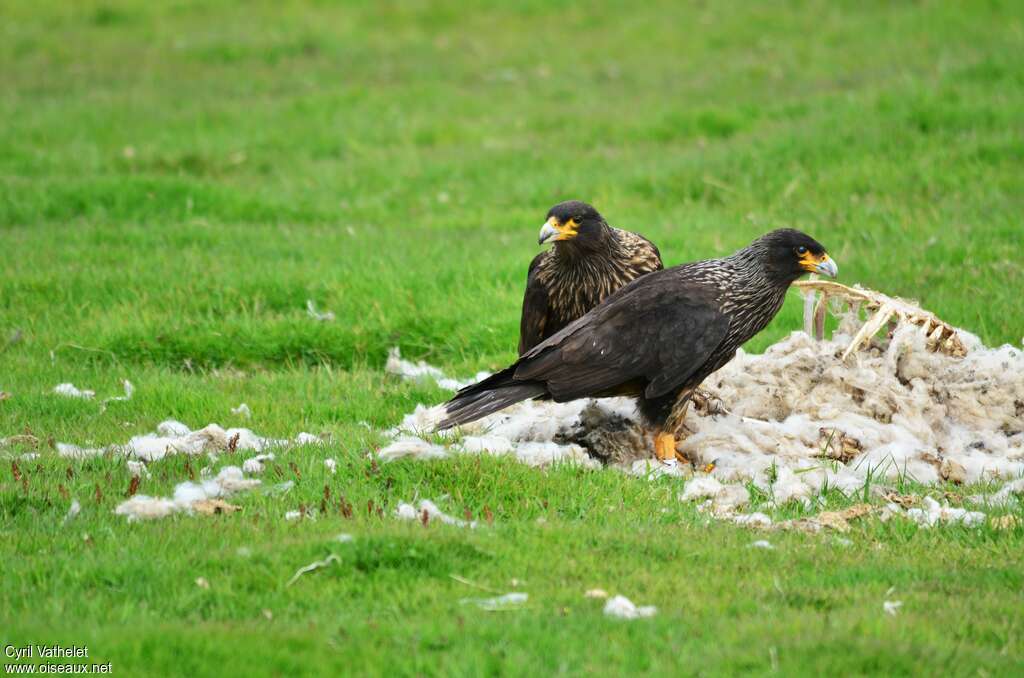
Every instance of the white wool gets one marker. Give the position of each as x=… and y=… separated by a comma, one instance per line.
x=497, y=603
x=331, y=465
x=723, y=499
x=891, y=607
x=756, y=519
x=69, y=390
x=761, y=544
x=137, y=469
x=652, y=468
x=410, y=370
x=1007, y=494
x=172, y=437
x=933, y=514
x=141, y=507
x=172, y=429
x=242, y=411
x=292, y=515
x=188, y=492
x=410, y=446
x=529, y=453
x=423, y=419
x=731, y=498
x=228, y=481
x=420, y=371
x=547, y=453
x=307, y=439
x=231, y=479
x=254, y=465
x=73, y=511
x=68, y=451
x=701, y=487
x=622, y=607
x=153, y=447
x=489, y=444
x=785, y=487
x=409, y=512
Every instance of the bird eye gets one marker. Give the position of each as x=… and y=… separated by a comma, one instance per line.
x=578, y=219
x=801, y=250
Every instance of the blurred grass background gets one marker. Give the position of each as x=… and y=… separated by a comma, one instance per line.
x=176, y=179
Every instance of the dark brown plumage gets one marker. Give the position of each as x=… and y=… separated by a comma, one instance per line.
x=589, y=261
x=656, y=339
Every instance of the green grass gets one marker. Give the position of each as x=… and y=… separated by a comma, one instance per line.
x=176, y=179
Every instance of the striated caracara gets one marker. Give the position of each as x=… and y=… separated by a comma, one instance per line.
x=656, y=339
x=589, y=261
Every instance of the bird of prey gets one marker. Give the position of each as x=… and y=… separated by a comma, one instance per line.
x=656, y=339
x=589, y=261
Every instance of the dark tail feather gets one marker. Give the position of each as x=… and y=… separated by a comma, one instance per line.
x=494, y=393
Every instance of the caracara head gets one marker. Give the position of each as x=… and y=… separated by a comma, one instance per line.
x=572, y=221
x=790, y=253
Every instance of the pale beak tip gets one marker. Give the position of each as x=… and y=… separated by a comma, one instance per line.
x=828, y=267
x=547, y=234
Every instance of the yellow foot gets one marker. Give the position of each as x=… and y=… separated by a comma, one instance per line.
x=665, y=449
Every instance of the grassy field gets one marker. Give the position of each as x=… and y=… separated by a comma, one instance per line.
x=177, y=179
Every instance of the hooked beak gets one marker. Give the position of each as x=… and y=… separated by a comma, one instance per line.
x=823, y=265
x=827, y=267
x=553, y=230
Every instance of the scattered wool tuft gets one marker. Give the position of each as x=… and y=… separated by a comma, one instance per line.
x=254, y=465
x=1006, y=496
x=891, y=607
x=622, y=607
x=497, y=603
x=73, y=511
x=700, y=488
x=724, y=499
x=173, y=437
x=420, y=371
x=756, y=519
x=77, y=453
x=141, y=507
x=410, y=512
x=242, y=411
x=137, y=469
x=933, y=514
x=307, y=439
x=761, y=544
x=331, y=465
x=229, y=481
x=69, y=390
x=410, y=446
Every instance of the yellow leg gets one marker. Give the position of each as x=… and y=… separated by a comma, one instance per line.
x=665, y=448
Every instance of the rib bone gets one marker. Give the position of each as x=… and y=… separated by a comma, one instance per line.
x=880, y=309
